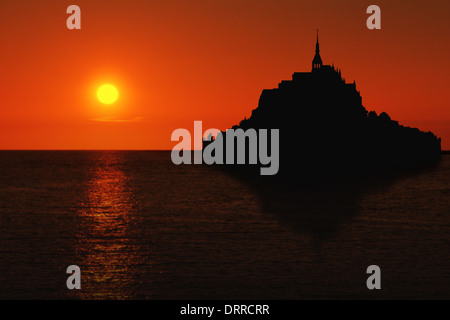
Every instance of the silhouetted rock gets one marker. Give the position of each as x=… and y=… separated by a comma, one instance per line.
x=325, y=130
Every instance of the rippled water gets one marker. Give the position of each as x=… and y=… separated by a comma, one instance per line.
x=140, y=227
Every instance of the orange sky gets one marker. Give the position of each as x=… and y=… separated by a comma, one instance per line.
x=179, y=61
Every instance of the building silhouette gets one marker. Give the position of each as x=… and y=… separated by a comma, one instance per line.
x=326, y=130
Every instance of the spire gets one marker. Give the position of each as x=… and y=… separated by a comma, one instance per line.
x=317, y=61
x=317, y=43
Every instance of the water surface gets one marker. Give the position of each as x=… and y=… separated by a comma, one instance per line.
x=140, y=227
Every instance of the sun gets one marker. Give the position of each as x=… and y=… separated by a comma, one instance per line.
x=107, y=94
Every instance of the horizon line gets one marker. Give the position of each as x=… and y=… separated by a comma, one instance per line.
x=86, y=150
x=442, y=151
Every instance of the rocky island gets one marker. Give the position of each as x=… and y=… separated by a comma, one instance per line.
x=325, y=130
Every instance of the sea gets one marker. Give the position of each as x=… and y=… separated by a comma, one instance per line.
x=140, y=227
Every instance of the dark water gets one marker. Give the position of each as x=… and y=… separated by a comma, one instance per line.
x=140, y=227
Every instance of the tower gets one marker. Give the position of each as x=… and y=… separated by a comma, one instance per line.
x=317, y=61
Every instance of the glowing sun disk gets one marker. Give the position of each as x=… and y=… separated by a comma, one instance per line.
x=107, y=94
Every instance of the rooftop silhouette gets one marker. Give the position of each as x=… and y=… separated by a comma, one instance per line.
x=325, y=129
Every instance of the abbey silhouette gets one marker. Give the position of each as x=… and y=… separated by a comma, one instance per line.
x=325, y=129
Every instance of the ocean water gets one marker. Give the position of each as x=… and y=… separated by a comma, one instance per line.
x=140, y=227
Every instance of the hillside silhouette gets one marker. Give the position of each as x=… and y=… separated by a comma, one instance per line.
x=325, y=130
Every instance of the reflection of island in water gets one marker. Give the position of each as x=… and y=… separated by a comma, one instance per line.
x=319, y=114
x=320, y=210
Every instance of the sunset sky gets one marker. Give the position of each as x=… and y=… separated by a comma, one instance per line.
x=174, y=62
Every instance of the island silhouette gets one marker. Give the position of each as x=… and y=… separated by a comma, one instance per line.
x=325, y=130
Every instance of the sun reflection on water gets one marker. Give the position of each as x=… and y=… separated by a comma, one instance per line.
x=106, y=245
